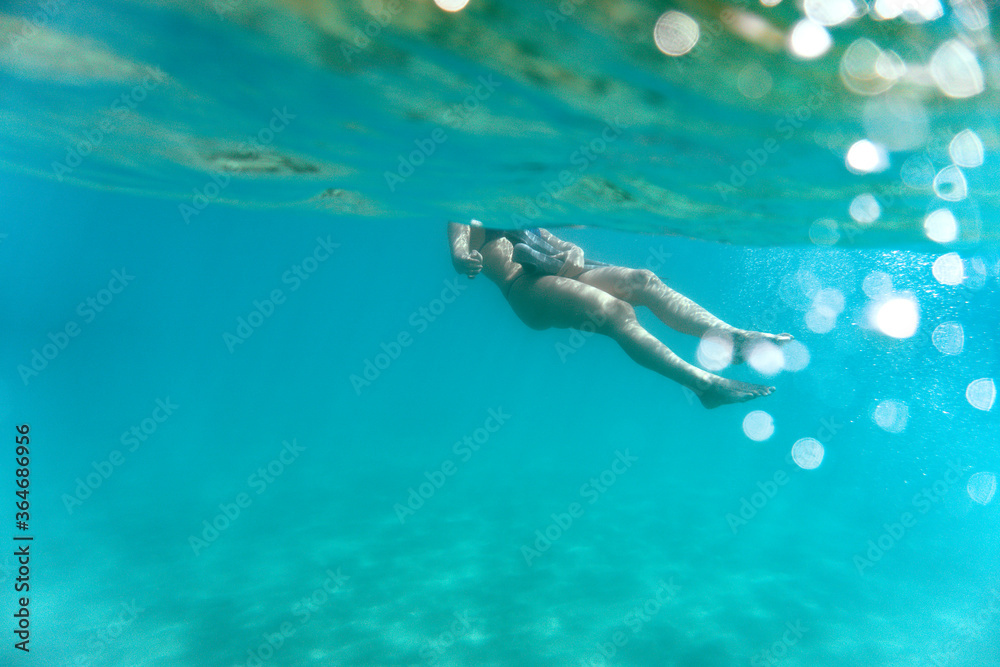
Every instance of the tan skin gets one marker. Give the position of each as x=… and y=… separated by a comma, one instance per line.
x=603, y=299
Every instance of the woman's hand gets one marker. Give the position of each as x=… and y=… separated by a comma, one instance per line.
x=572, y=262
x=470, y=263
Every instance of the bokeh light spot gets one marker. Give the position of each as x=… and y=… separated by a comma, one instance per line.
x=949, y=269
x=981, y=487
x=865, y=209
x=950, y=185
x=891, y=415
x=766, y=358
x=956, y=70
x=715, y=351
x=676, y=33
x=966, y=149
x=917, y=172
x=758, y=425
x=865, y=157
x=809, y=39
x=877, y=284
x=821, y=320
x=829, y=12
x=754, y=81
x=940, y=226
x=796, y=355
x=981, y=393
x=948, y=338
x=824, y=232
x=807, y=453
x=897, y=317
x=451, y=5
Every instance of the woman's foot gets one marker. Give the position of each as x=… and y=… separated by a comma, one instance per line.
x=744, y=342
x=723, y=391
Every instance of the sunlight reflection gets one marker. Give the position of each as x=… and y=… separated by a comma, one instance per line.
x=897, y=317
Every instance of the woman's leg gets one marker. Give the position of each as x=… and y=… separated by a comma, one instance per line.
x=641, y=287
x=553, y=301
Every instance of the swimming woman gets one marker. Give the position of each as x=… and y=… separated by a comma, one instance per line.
x=549, y=283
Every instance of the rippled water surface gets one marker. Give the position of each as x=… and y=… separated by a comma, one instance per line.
x=270, y=425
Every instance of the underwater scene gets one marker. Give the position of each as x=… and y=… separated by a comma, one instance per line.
x=490, y=333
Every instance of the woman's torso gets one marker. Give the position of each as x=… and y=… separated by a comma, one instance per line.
x=496, y=250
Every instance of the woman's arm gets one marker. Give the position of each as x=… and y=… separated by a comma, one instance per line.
x=572, y=254
x=557, y=242
x=465, y=260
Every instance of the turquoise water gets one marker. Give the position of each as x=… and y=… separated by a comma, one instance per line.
x=283, y=431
